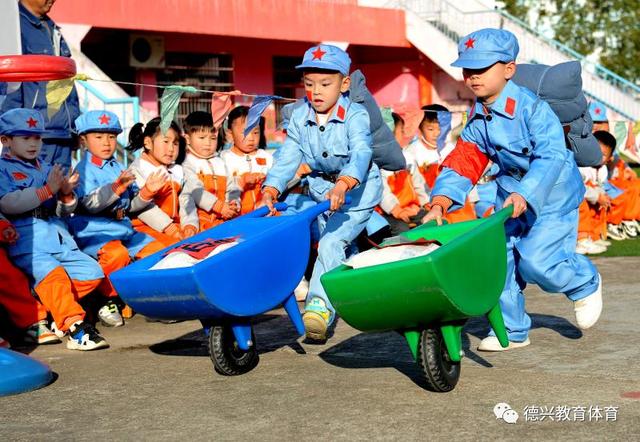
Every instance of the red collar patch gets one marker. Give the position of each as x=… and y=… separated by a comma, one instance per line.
x=472, y=111
x=340, y=113
x=97, y=161
x=261, y=161
x=510, y=106
x=19, y=176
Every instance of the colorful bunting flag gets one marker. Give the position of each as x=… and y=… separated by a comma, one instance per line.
x=169, y=104
x=58, y=91
x=260, y=103
x=221, y=105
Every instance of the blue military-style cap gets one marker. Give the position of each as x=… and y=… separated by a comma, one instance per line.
x=98, y=121
x=21, y=122
x=328, y=57
x=485, y=47
x=598, y=112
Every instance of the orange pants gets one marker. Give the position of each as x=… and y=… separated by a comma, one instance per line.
x=626, y=207
x=465, y=213
x=114, y=256
x=15, y=295
x=592, y=222
x=60, y=295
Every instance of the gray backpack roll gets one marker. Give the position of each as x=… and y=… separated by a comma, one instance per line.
x=561, y=87
x=387, y=153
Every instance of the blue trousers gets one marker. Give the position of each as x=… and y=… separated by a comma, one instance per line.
x=542, y=251
x=337, y=231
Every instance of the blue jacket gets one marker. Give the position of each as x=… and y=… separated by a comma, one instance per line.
x=36, y=235
x=522, y=135
x=387, y=153
x=93, y=229
x=342, y=147
x=37, y=38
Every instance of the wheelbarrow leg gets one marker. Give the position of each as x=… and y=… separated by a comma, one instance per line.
x=452, y=335
x=413, y=339
x=291, y=307
x=242, y=333
x=497, y=324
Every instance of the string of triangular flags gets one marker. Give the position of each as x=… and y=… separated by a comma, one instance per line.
x=58, y=91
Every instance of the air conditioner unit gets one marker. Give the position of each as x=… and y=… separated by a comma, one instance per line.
x=146, y=51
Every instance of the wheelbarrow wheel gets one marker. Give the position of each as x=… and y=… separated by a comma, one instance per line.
x=228, y=359
x=441, y=373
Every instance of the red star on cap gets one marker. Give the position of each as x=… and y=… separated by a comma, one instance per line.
x=470, y=42
x=318, y=54
x=598, y=110
x=31, y=122
x=104, y=119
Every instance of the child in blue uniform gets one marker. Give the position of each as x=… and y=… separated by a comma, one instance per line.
x=331, y=134
x=538, y=175
x=106, y=194
x=34, y=196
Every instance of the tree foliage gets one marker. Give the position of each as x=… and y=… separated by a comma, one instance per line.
x=610, y=29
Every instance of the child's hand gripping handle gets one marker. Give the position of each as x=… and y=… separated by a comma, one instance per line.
x=313, y=212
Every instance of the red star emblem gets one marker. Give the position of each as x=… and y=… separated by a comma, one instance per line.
x=318, y=54
x=104, y=119
x=470, y=42
x=598, y=110
x=31, y=122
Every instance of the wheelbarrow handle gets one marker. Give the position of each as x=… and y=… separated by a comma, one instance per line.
x=505, y=213
x=264, y=211
x=313, y=212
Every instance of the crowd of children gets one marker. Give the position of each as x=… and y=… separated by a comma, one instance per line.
x=64, y=231
x=611, y=208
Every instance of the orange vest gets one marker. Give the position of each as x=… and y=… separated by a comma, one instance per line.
x=402, y=187
x=217, y=185
x=430, y=173
x=251, y=196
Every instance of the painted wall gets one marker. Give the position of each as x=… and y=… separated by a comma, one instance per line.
x=295, y=20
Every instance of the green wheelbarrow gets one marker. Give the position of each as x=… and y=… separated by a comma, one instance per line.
x=429, y=298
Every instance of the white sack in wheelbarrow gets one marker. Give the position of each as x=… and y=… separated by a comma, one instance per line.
x=177, y=259
x=386, y=255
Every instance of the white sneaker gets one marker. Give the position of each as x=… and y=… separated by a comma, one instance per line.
x=491, y=343
x=302, y=290
x=588, y=309
x=40, y=334
x=588, y=247
x=630, y=229
x=59, y=333
x=83, y=337
x=110, y=316
x=602, y=242
x=615, y=232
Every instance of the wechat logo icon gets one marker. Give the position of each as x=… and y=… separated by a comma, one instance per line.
x=504, y=411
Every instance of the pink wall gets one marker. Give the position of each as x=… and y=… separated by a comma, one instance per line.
x=252, y=58
x=393, y=83
x=295, y=20
x=148, y=95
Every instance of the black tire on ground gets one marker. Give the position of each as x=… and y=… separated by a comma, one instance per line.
x=440, y=372
x=228, y=359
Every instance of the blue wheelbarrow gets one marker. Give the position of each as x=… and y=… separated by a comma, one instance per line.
x=218, y=291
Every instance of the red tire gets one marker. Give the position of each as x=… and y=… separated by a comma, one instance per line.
x=35, y=68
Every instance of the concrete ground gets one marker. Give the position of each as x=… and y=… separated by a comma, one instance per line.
x=157, y=382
